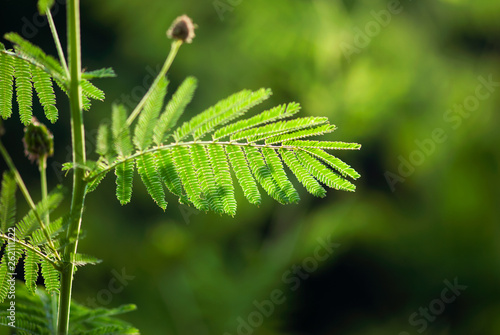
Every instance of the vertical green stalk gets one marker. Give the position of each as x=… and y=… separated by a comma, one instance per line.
x=79, y=160
x=42, y=164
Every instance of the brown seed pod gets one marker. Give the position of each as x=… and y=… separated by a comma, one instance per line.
x=182, y=29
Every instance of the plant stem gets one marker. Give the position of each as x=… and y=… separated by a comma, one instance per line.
x=57, y=42
x=163, y=72
x=42, y=164
x=79, y=185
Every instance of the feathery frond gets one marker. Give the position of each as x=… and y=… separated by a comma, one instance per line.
x=6, y=84
x=51, y=277
x=31, y=270
x=151, y=179
x=24, y=90
x=43, y=87
x=124, y=178
x=256, y=149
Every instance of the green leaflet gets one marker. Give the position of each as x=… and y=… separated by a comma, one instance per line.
x=6, y=84
x=90, y=91
x=121, y=134
x=124, y=178
x=51, y=277
x=221, y=113
x=323, y=129
x=143, y=134
x=243, y=174
x=7, y=202
x=223, y=180
x=151, y=179
x=323, y=145
x=188, y=177
x=323, y=174
x=276, y=113
x=82, y=259
x=169, y=174
x=334, y=162
x=31, y=270
x=278, y=128
x=104, y=146
x=303, y=176
x=174, y=109
x=24, y=90
x=206, y=177
x=101, y=73
x=54, y=228
x=45, y=91
x=264, y=175
x=10, y=259
x=278, y=173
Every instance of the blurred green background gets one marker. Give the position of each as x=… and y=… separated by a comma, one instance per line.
x=416, y=82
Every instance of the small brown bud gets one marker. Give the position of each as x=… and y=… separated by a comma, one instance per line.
x=38, y=141
x=182, y=29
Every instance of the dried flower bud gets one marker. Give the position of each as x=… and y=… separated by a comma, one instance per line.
x=38, y=141
x=182, y=29
x=2, y=129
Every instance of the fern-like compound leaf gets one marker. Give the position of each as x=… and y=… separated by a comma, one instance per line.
x=151, y=179
x=256, y=149
x=174, y=109
x=51, y=277
x=7, y=202
x=124, y=178
x=45, y=91
x=243, y=174
x=24, y=90
x=6, y=84
x=31, y=269
x=143, y=134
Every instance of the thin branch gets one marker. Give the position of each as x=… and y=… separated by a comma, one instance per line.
x=57, y=42
x=30, y=247
x=163, y=72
